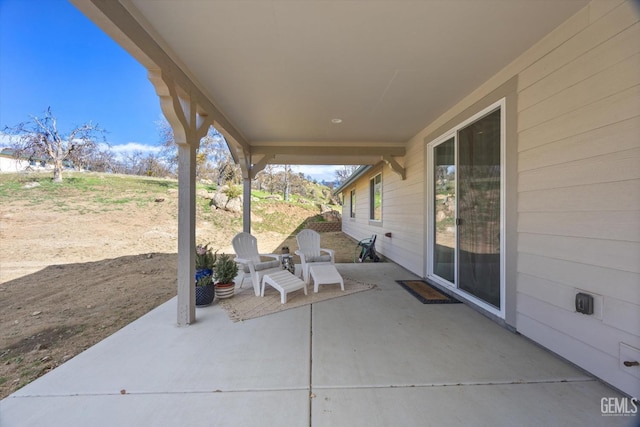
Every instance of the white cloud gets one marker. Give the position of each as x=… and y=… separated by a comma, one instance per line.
x=130, y=147
x=121, y=151
x=7, y=140
x=318, y=172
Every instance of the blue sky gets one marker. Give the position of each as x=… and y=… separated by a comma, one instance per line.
x=51, y=55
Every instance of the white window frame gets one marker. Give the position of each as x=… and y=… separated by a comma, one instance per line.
x=352, y=207
x=372, y=199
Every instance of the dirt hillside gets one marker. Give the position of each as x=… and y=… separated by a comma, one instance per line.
x=80, y=264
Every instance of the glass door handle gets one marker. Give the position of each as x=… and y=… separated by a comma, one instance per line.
x=458, y=221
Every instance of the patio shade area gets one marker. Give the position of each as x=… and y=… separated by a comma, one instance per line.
x=374, y=358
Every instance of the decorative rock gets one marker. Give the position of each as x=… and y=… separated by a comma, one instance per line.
x=234, y=205
x=332, y=216
x=203, y=193
x=221, y=201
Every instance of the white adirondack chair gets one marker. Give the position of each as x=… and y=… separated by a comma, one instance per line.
x=246, y=247
x=310, y=251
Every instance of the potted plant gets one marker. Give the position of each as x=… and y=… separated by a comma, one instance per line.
x=225, y=271
x=205, y=286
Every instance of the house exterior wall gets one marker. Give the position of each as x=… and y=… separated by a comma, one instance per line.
x=579, y=193
x=403, y=211
x=575, y=222
x=11, y=164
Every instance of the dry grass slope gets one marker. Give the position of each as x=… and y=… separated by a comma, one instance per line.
x=80, y=260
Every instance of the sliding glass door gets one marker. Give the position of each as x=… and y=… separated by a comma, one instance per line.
x=444, y=229
x=466, y=209
x=479, y=208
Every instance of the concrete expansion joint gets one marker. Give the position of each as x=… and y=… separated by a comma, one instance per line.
x=453, y=384
x=312, y=395
x=160, y=393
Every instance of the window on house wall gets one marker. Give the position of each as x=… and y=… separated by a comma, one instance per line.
x=352, y=208
x=375, y=193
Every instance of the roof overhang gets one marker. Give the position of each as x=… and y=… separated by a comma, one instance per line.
x=317, y=82
x=352, y=178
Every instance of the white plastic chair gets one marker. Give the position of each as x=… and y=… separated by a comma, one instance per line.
x=246, y=247
x=310, y=251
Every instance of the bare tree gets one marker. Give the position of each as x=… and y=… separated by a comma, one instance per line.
x=103, y=160
x=217, y=162
x=213, y=160
x=287, y=182
x=40, y=138
x=153, y=165
x=144, y=164
x=169, y=150
x=267, y=178
x=343, y=174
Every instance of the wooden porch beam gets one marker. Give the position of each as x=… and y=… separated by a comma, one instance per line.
x=329, y=150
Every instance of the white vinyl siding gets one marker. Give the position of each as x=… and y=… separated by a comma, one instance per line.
x=579, y=194
x=403, y=213
x=577, y=201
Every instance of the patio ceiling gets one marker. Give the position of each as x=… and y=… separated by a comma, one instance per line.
x=273, y=74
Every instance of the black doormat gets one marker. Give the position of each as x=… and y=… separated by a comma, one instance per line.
x=426, y=293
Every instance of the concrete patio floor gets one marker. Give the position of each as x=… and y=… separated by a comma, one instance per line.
x=375, y=358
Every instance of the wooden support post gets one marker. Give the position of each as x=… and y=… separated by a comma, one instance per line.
x=246, y=205
x=186, y=233
x=189, y=123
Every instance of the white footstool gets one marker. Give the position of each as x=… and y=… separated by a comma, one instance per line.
x=325, y=274
x=284, y=282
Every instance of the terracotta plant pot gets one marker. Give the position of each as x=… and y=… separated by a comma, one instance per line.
x=225, y=290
